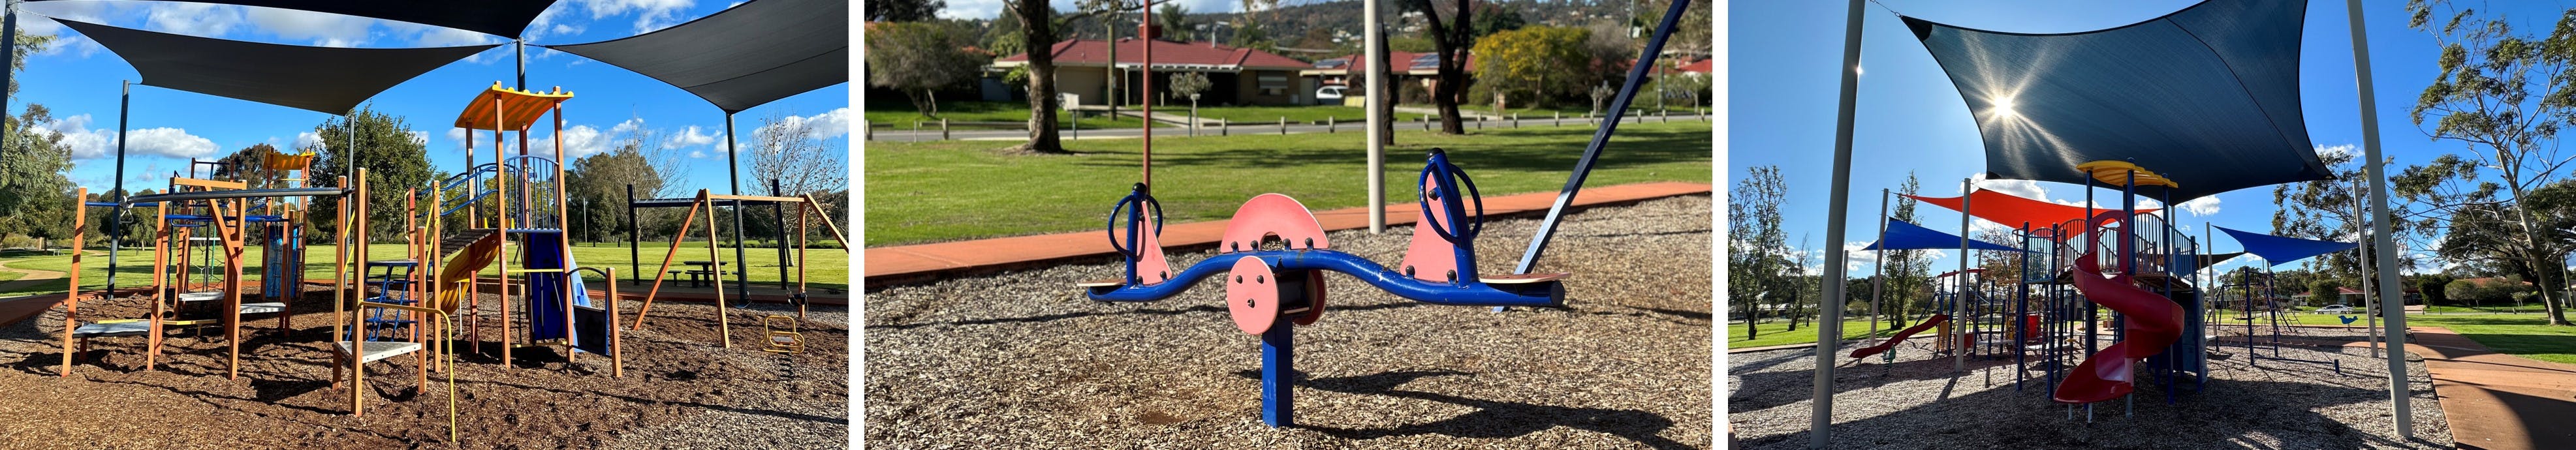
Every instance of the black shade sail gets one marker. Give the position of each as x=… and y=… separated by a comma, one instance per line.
x=506, y=18
x=2207, y=96
x=752, y=54
x=321, y=79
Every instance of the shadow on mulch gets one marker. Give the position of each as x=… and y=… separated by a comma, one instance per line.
x=1492, y=419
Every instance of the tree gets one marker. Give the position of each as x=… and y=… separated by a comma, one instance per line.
x=1173, y=17
x=1188, y=85
x=32, y=184
x=788, y=150
x=1907, y=270
x=1451, y=40
x=601, y=179
x=919, y=58
x=1754, y=241
x=904, y=10
x=1038, y=23
x=2504, y=97
x=1544, y=63
x=1491, y=18
x=395, y=160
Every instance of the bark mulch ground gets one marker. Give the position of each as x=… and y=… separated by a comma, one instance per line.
x=680, y=390
x=1023, y=360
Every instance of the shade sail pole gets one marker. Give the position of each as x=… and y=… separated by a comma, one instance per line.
x=733, y=176
x=2381, y=247
x=116, y=214
x=1878, y=265
x=1959, y=289
x=9, y=38
x=1829, y=329
x=519, y=52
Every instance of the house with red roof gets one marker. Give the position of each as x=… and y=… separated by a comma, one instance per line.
x=1239, y=76
x=1352, y=70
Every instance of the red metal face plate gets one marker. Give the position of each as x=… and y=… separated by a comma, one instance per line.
x=1272, y=214
x=1252, y=295
x=1151, y=266
x=1429, y=258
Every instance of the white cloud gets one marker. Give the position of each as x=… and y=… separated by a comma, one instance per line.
x=326, y=30
x=2204, y=206
x=819, y=126
x=308, y=141
x=2018, y=188
x=420, y=137
x=689, y=137
x=649, y=14
x=87, y=143
x=458, y=136
x=697, y=154
x=193, y=19
x=578, y=141
x=2334, y=150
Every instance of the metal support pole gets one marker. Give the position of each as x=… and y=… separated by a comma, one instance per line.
x=1878, y=269
x=1829, y=327
x=733, y=177
x=1278, y=366
x=1959, y=295
x=1376, y=122
x=116, y=214
x=2384, y=249
x=634, y=239
x=9, y=37
x=1601, y=138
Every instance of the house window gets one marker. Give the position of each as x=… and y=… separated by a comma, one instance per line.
x=1274, y=84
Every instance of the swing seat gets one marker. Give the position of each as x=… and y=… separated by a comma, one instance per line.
x=376, y=351
x=200, y=296
x=263, y=308
x=112, y=328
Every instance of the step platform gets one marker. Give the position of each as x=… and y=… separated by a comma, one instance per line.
x=377, y=350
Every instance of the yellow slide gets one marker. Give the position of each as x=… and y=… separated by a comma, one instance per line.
x=461, y=269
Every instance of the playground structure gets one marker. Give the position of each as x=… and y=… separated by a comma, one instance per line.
x=1273, y=254
x=201, y=231
x=472, y=220
x=2182, y=106
x=778, y=331
x=494, y=230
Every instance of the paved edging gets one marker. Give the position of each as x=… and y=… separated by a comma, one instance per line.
x=898, y=265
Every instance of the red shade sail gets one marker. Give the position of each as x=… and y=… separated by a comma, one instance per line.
x=2014, y=211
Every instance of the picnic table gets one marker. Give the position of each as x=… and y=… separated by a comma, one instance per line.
x=699, y=272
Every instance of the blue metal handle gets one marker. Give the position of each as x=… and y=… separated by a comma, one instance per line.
x=1451, y=176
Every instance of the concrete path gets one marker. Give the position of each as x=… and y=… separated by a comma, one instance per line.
x=885, y=266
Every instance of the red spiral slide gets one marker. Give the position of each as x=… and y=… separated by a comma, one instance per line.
x=2153, y=323
x=1891, y=342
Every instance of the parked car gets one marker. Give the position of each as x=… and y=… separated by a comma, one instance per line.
x=1329, y=95
x=2336, y=309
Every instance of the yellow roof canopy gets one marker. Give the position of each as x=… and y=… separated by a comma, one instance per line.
x=518, y=109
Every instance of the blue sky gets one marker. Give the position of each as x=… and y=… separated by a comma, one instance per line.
x=79, y=81
x=1784, y=58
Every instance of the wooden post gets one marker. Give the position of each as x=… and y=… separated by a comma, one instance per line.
x=686, y=220
x=1329, y=128
x=943, y=128
x=724, y=324
x=71, y=297
x=616, y=337
x=501, y=209
x=1283, y=125
x=1559, y=120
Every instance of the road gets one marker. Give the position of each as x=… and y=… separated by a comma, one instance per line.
x=890, y=134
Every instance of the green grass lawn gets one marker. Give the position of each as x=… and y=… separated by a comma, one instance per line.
x=941, y=191
x=1777, y=333
x=901, y=115
x=830, y=268
x=2525, y=335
